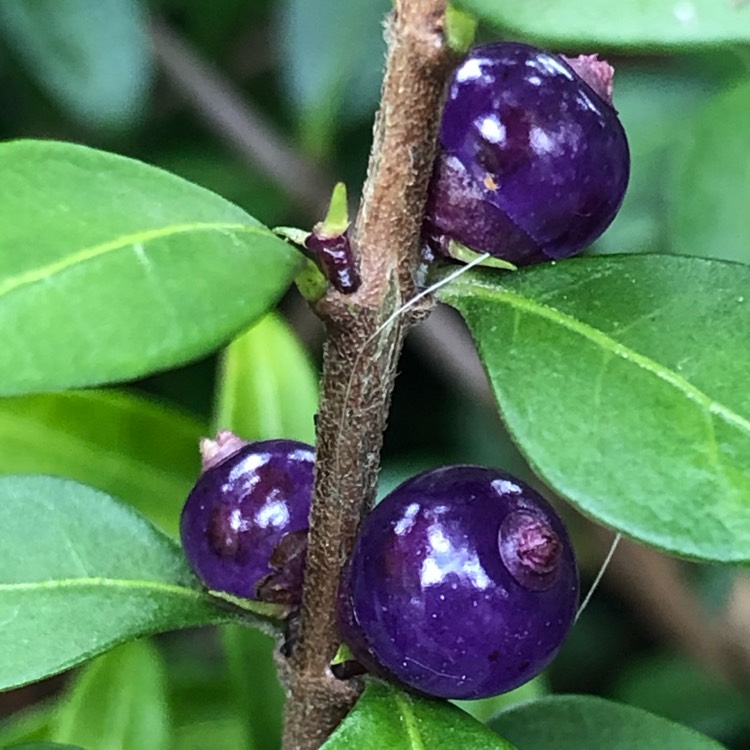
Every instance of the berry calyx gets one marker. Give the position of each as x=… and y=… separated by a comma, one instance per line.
x=244, y=525
x=224, y=445
x=599, y=74
x=532, y=160
x=530, y=549
x=462, y=584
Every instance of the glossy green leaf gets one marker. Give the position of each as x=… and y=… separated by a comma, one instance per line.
x=93, y=58
x=80, y=573
x=573, y=722
x=111, y=269
x=136, y=449
x=711, y=190
x=386, y=717
x=636, y=25
x=118, y=702
x=624, y=382
x=267, y=385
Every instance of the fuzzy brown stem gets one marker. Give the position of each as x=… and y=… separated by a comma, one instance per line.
x=359, y=365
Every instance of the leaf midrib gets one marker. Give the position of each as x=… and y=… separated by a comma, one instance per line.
x=101, y=582
x=607, y=343
x=27, y=278
x=410, y=721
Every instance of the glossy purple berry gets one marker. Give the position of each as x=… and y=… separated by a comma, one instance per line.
x=532, y=160
x=244, y=525
x=462, y=584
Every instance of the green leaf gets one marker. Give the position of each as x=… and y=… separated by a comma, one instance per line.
x=136, y=449
x=111, y=269
x=80, y=573
x=267, y=386
x=92, y=57
x=623, y=381
x=460, y=29
x=485, y=708
x=44, y=746
x=645, y=24
x=679, y=690
x=337, y=218
x=386, y=717
x=711, y=190
x=572, y=722
x=118, y=702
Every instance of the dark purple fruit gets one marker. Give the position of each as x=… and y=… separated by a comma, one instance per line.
x=532, y=160
x=462, y=584
x=244, y=525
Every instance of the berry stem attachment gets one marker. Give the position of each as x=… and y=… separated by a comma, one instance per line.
x=360, y=355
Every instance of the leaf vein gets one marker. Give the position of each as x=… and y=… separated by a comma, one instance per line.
x=607, y=343
x=410, y=721
x=44, y=273
x=122, y=583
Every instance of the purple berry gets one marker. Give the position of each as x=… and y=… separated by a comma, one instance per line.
x=532, y=160
x=462, y=584
x=244, y=525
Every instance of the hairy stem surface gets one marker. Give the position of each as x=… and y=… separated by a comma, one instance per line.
x=361, y=354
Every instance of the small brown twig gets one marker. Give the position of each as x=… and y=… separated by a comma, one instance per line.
x=360, y=354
